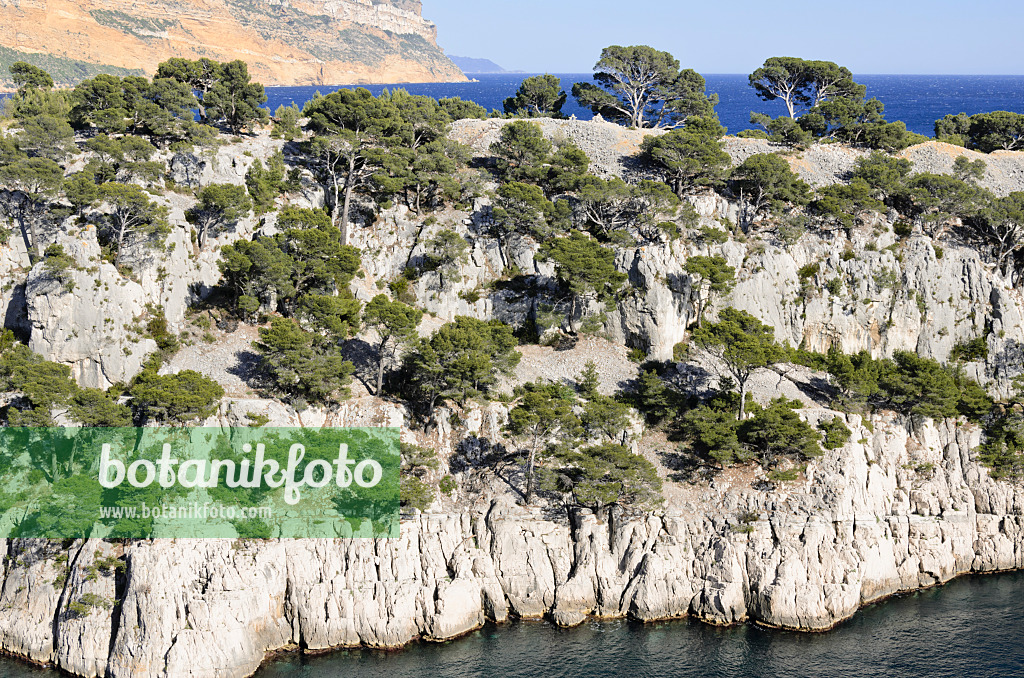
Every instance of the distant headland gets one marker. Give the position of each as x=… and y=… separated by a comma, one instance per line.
x=307, y=42
x=475, y=66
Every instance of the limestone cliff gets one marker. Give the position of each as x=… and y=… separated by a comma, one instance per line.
x=300, y=42
x=891, y=512
x=900, y=506
x=920, y=293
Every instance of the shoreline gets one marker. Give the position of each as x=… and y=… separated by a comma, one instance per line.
x=294, y=650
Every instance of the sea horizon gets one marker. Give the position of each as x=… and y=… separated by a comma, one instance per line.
x=916, y=99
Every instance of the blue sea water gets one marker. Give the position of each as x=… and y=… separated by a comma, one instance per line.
x=917, y=100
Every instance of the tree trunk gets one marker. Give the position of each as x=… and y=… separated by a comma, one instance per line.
x=529, y=475
x=28, y=233
x=503, y=245
x=380, y=367
x=344, y=210
x=333, y=197
x=743, y=400
x=120, y=246
x=743, y=212
x=35, y=238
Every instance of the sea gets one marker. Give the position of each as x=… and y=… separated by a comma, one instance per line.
x=969, y=628
x=917, y=100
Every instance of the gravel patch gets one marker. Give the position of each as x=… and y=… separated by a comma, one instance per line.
x=819, y=165
x=230, y=360
x=1004, y=172
x=610, y=147
x=543, y=363
x=826, y=164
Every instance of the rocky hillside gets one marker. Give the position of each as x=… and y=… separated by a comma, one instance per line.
x=901, y=502
x=308, y=42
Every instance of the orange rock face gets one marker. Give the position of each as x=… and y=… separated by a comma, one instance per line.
x=285, y=42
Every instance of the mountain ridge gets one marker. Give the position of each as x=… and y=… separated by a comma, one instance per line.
x=302, y=42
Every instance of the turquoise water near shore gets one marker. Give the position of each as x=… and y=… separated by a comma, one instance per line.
x=970, y=627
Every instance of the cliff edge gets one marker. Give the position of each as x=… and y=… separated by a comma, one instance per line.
x=305, y=42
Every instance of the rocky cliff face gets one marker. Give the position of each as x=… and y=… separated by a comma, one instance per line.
x=897, y=508
x=917, y=293
x=306, y=42
x=891, y=512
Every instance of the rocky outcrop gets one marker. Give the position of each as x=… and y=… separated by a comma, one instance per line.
x=94, y=319
x=609, y=146
x=870, y=292
x=892, y=511
x=306, y=42
x=86, y=320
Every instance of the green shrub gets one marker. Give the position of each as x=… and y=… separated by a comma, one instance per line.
x=835, y=432
x=401, y=291
x=1003, y=449
x=175, y=398
x=637, y=355
x=252, y=528
x=712, y=235
x=653, y=398
x=808, y=271
x=902, y=229
x=257, y=420
x=302, y=366
x=681, y=352
x=779, y=476
x=908, y=384
x=777, y=430
x=87, y=603
x=415, y=493
x=447, y=485
x=157, y=329
x=58, y=264
x=970, y=351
